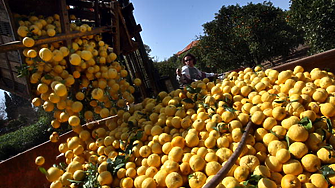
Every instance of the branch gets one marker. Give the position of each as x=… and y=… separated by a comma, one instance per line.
x=231, y=161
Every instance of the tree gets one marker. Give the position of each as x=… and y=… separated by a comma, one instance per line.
x=2, y=110
x=167, y=68
x=148, y=50
x=316, y=19
x=10, y=111
x=245, y=36
x=13, y=103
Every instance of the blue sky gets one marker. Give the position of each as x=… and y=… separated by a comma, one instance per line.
x=169, y=26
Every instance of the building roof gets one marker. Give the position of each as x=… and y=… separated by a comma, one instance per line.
x=188, y=47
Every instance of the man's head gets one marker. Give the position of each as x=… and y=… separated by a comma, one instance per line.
x=189, y=60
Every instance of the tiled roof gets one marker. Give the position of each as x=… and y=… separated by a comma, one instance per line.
x=188, y=47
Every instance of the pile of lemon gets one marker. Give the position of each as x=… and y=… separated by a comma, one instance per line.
x=188, y=135
x=82, y=79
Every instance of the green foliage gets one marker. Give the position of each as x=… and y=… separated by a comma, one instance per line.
x=167, y=68
x=245, y=36
x=314, y=18
x=326, y=172
x=91, y=178
x=306, y=123
x=14, y=124
x=12, y=103
x=252, y=182
x=26, y=137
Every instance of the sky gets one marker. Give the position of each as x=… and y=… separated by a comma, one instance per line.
x=169, y=26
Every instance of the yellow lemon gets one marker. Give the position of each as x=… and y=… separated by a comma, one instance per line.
x=241, y=173
x=197, y=163
x=290, y=181
x=262, y=170
x=311, y=162
x=105, y=178
x=39, y=160
x=53, y=174
x=31, y=53
x=57, y=55
x=197, y=179
x=60, y=89
x=318, y=180
x=273, y=164
x=97, y=93
x=174, y=180
x=327, y=109
x=283, y=155
x=212, y=168
x=74, y=120
x=86, y=55
x=298, y=149
x=266, y=183
x=22, y=31
x=45, y=54
x=293, y=167
x=297, y=133
x=112, y=57
x=279, y=113
x=137, y=82
x=51, y=32
x=75, y=59
x=28, y=42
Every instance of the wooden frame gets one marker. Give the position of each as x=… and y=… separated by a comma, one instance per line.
x=122, y=32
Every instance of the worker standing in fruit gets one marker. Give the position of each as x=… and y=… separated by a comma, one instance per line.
x=189, y=73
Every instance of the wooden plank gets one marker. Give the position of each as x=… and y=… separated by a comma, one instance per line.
x=65, y=22
x=64, y=17
x=125, y=38
x=135, y=30
x=7, y=39
x=20, y=86
x=128, y=9
x=39, y=7
x=83, y=14
x=11, y=19
x=3, y=12
x=131, y=23
x=324, y=60
x=20, y=90
x=81, y=4
x=116, y=25
x=14, y=56
x=138, y=73
x=20, y=80
x=10, y=72
x=97, y=14
x=5, y=73
x=12, y=64
x=16, y=45
x=3, y=61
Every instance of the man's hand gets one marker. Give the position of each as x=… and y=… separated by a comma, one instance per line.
x=178, y=72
